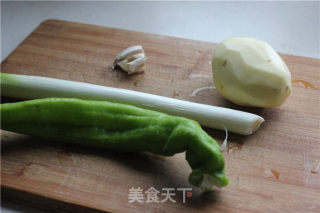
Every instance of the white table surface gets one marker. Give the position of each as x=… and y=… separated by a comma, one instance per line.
x=290, y=27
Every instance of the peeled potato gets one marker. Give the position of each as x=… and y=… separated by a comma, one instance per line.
x=249, y=72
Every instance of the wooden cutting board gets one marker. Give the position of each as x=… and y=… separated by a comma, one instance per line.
x=274, y=170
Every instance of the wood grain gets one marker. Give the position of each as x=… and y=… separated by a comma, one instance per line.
x=274, y=170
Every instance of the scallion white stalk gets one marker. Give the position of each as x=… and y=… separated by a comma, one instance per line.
x=31, y=87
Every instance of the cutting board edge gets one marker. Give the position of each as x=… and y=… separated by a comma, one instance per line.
x=43, y=202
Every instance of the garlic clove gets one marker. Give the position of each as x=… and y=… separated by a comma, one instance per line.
x=138, y=69
x=131, y=60
x=130, y=51
x=124, y=64
x=136, y=63
x=136, y=56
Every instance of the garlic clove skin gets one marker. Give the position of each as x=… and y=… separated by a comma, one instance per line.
x=131, y=60
x=249, y=72
x=130, y=51
x=136, y=63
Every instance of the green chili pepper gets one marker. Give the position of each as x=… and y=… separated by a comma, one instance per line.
x=119, y=127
